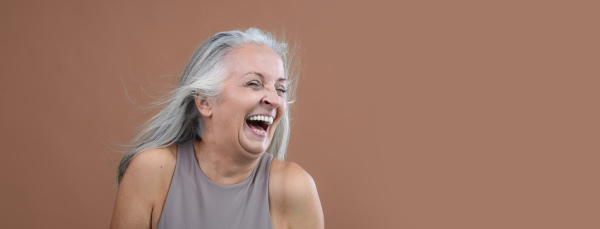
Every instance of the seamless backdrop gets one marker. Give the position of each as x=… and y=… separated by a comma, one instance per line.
x=410, y=114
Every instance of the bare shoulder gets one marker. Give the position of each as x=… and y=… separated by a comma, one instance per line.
x=151, y=166
x=150, y=159
x=144, y=187
x=290, y=180
x=293, y=196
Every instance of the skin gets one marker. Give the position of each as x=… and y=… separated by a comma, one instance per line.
x=228, y=151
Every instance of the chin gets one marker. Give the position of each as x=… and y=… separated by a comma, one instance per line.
x=254, y=143
x=255, y=150
x=254, y=147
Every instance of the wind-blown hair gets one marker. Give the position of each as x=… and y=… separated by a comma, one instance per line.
x=180, y=121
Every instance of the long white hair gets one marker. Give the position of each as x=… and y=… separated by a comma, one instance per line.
x=180, y=121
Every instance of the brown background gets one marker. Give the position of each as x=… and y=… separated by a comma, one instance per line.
x=414, y=114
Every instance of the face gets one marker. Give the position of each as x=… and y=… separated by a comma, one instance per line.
x=252, y=99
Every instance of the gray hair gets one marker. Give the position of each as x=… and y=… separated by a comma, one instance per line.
x=180, y=121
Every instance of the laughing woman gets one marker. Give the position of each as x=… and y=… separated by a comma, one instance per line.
x=213, y=157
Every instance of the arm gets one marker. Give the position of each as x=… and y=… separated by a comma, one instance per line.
x=142, y=183
x=295, y=199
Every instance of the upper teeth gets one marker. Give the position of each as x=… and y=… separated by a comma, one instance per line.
x=266, y=119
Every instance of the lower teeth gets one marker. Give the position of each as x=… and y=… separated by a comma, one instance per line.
x=259, y=131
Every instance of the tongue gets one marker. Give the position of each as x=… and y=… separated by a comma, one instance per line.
x=255, y=125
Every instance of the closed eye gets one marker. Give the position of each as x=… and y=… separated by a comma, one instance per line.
x=253, y=84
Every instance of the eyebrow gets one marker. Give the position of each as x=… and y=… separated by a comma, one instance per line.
x=263, y=77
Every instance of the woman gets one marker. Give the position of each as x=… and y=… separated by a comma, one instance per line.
x=206, y=160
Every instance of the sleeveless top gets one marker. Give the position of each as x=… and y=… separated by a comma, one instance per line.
x=194, y=201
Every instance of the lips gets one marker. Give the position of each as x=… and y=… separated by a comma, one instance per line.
x=259, y=123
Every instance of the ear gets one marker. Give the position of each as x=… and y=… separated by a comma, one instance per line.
x=203, y=105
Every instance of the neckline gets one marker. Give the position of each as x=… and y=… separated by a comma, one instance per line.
x=208, y=180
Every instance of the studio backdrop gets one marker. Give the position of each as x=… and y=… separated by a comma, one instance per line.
x=409, y=114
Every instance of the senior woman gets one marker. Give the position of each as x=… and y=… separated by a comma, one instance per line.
x=213, y=157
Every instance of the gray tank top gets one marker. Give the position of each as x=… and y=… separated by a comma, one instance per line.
x=194, y=201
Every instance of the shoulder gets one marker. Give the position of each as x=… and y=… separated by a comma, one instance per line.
x=151, y=168
x=150, y=159
x=143, y=187
x=290, y=180
x=293, y=196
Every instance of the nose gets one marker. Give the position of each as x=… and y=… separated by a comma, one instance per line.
x=271, y=99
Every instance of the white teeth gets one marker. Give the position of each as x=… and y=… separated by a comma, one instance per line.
x=268, y=120
x=259, y=131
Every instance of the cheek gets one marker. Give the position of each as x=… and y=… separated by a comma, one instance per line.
x=282, y=108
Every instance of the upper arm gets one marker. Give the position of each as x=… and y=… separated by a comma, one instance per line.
x=142, y=183
x=296, y=198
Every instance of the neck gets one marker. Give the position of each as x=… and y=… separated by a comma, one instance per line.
x=222, y=166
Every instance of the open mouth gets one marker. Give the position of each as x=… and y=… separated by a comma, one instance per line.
x=259, y=123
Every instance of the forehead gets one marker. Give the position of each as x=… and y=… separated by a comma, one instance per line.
x=255, y=58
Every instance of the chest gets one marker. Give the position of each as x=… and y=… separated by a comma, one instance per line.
x=193, y=206
x=192, y=200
